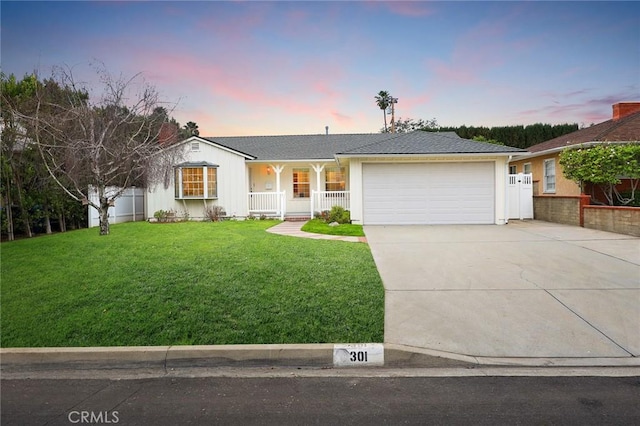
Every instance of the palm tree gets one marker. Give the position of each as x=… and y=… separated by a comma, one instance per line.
x=191, y=129
x=383, y=100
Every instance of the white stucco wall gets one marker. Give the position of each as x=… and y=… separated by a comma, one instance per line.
x=232, y=184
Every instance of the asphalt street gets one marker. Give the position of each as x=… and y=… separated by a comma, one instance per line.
x=323, y=400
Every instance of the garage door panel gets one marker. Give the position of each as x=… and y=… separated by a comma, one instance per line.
x=428, y=193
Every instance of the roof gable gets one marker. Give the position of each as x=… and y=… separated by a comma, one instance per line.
x=214, y=144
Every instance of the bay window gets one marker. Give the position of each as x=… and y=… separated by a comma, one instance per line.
x=196, y=180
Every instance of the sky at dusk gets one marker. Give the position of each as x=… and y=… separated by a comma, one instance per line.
x=266, y=68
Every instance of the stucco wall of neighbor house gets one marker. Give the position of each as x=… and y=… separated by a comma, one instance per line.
x=558, y=209
x=356, y=181
x=564, y=186
x=622, y=220
x=232, y=186
x=264, y=179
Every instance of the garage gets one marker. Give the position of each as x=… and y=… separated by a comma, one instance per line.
x=428, y=193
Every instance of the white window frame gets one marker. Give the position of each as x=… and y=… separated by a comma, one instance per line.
x=526, y=166
x=298, y=193
x=341, y=170
x=513, y=169
x=178, y=184
x=549, y=185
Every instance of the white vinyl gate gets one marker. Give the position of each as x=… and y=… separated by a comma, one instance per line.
x=520, y=196
x=129, y=207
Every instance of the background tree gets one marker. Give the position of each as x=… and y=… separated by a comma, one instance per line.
x=518, y=136
x=190, y=129
x=14, y=152
x=106, y=144
x=603, y=166
x=410, y=125
x=483, y=139
x=383, y=100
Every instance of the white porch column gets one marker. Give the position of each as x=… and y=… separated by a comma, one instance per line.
x=278, y=168
x=318, y=169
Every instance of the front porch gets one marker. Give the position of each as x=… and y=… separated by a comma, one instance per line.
x=274, y=204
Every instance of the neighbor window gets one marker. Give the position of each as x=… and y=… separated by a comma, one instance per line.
x=301, y=187
x=549, y=175
x=196, y=181
x=335, y=179
x=527, y=168
x=513, y=170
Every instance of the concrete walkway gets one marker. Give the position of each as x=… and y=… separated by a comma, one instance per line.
x=293, y=229
x=524, y=290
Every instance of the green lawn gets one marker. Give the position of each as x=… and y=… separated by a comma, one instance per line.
x=319, y=226
x=190, y=283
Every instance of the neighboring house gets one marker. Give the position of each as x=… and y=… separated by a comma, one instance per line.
x=406, y=178
x=542, y=160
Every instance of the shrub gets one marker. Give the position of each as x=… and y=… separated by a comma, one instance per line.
x=337, y=214
x=214, y=213
x=165, y=215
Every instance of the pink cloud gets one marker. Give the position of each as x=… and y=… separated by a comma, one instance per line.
x=342, y=118
x=254, y=82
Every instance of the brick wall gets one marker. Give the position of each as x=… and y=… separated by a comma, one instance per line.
x=564, y=210
x=623, y=220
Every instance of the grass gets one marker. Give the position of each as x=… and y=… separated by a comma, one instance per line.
x=190, y=283
x=318, y=226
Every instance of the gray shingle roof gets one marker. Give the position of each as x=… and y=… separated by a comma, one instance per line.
x=420, y=142
x=312, y=147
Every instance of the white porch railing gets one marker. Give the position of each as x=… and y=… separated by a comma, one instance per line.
x=267, y=202
x=325, y=200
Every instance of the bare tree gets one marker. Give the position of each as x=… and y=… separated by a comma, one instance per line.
x=103, y=146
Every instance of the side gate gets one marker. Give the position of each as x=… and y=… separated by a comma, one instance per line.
x=520, y=196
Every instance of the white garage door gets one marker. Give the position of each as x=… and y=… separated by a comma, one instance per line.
x=428, y=193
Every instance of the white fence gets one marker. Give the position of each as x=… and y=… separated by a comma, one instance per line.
x=267, y=203
x=325, y=200
x=520, y=196
x=128, y=207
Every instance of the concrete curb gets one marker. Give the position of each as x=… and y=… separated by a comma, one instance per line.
x=166, y=358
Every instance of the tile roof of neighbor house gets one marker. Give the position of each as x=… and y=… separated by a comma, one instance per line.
x=315, y=147
x=626, y=129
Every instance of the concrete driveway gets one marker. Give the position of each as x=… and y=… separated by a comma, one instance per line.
x=528, y=289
